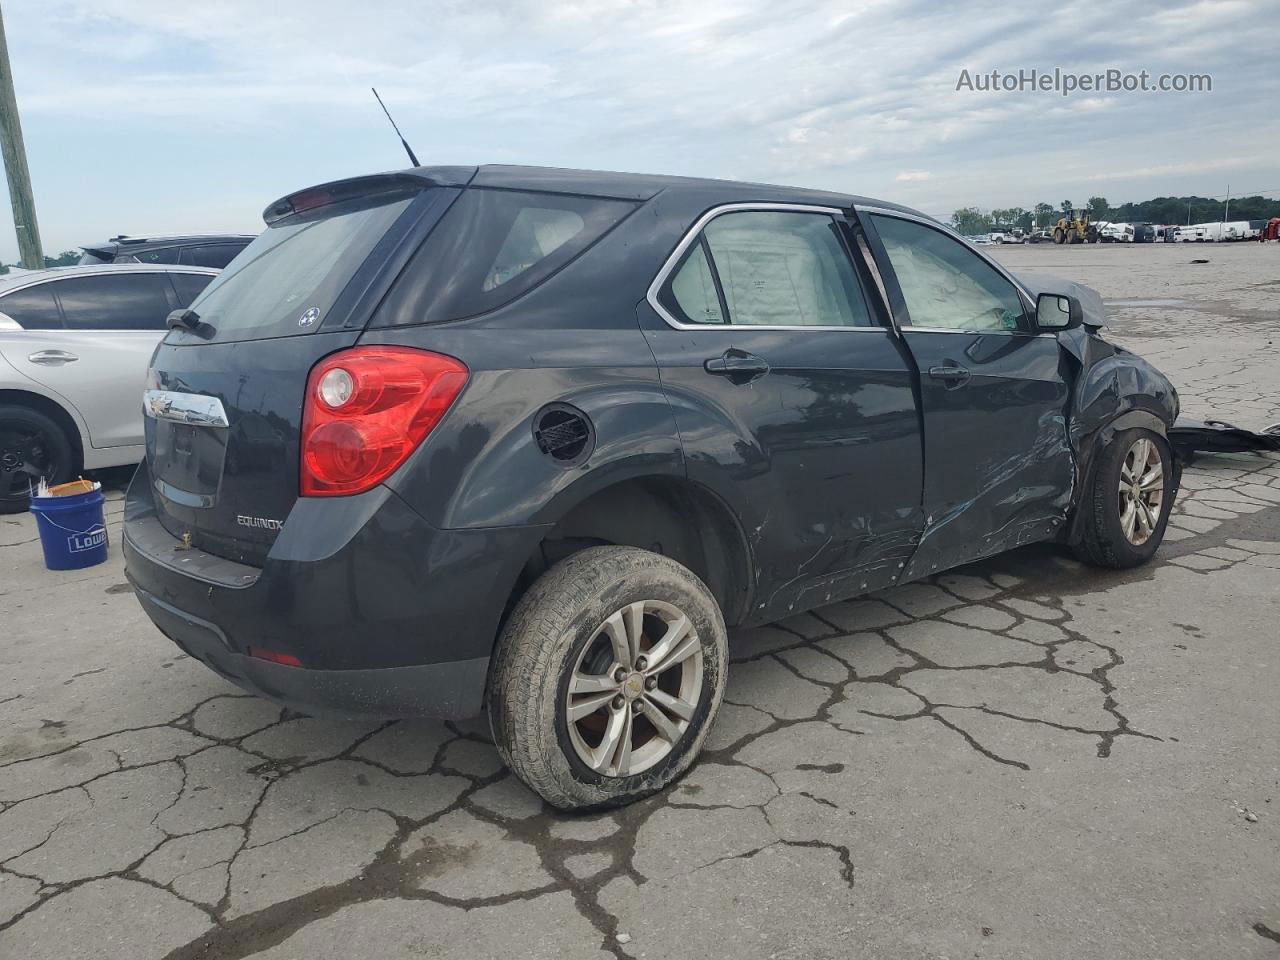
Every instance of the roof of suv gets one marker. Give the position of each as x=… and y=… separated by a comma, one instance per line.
x=625, y=186
x=27, y=277
x=645, y=185
x=123, y=241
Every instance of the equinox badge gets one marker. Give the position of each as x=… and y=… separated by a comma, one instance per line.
x=264, y=523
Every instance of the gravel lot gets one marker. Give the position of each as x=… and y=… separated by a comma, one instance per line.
x=1023, y=758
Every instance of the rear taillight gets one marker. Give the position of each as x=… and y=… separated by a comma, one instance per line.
x=366, y=410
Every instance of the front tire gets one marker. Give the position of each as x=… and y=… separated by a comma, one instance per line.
x=607, y=677
x=32, y=446
x=1128, y=507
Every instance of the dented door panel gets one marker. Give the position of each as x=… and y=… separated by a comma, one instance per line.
x=999, y=470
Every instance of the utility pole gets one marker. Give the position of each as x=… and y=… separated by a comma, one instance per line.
x=1227, y=207
x=15, y=166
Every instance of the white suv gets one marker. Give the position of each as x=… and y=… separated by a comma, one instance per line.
x=74, y=348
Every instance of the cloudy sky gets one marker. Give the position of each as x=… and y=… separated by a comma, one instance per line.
x=177, y=116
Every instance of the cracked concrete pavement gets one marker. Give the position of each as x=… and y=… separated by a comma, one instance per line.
x=1021, y=758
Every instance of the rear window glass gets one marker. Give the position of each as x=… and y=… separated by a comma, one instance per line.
x=494, y=245
x=33, y=308
x=285, y=281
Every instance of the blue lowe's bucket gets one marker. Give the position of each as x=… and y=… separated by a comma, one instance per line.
x=72, y=532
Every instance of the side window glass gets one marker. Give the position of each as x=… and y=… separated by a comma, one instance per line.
x=693, y=289
x=785, y=269
x=493, y=246
x=163, y=255
x=33, y=308
x=945, y=284
x=189, y=286
x=535, y=233
x=122, y=301
x=216, y=255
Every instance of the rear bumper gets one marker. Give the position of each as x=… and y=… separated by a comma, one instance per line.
x=450, y=690
x=388, y=616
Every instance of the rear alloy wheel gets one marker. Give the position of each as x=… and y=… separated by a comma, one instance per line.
x=607, y=677
x=31, y=446
x=634, y=689
x=1128, y=507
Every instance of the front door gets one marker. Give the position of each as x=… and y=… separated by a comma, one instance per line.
x=793, y=400
x=998, y=466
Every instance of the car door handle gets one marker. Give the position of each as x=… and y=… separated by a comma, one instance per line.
x=952, y=376
x=738, y=365
x=52, y=358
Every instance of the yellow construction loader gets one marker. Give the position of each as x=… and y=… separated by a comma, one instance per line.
x=1077, y=228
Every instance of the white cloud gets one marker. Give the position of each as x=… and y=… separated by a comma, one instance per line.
x=909, y=176
x=1166, y=169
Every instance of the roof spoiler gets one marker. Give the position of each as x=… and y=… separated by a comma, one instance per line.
x=419, y=178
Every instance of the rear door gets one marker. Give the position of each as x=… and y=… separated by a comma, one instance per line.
x=792, y=397
x=225, y=399
x=998, y=466
x=95, y=353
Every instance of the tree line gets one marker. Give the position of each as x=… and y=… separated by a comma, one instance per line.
x=1167, y=210
x=67, y=258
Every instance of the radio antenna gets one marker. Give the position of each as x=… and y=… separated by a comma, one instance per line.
x=407, y=149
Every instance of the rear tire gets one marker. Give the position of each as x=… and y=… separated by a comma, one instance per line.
x=32, y=445
x=1127, y=508
x=1059, y=235
x=557, y=705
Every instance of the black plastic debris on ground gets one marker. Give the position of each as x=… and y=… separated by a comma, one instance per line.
x=1190, y=437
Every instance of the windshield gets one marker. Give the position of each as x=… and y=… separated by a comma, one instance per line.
x=285, y=281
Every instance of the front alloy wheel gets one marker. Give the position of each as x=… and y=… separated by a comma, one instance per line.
x=1126, y=507
x=1141, y=491
x=634, y=689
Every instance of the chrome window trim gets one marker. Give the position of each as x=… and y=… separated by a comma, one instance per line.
x=194, y=408
x=695, y=232
x=977, y=332
x=948, y=232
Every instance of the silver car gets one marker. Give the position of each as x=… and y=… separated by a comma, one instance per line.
x=74, y=348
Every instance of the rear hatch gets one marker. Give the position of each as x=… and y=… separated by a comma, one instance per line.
x=225, y=398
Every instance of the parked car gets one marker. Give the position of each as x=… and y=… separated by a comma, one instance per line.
x=211, y=250
x=533, y=438
x=1109, y=232
x=74, y=347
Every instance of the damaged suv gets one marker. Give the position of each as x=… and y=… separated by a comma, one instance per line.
x=529, y=440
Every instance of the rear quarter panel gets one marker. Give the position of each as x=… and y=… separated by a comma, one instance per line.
x=482, y=468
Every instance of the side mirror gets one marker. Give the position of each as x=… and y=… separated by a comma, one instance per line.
x=1055, y=312
x=8, y=323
